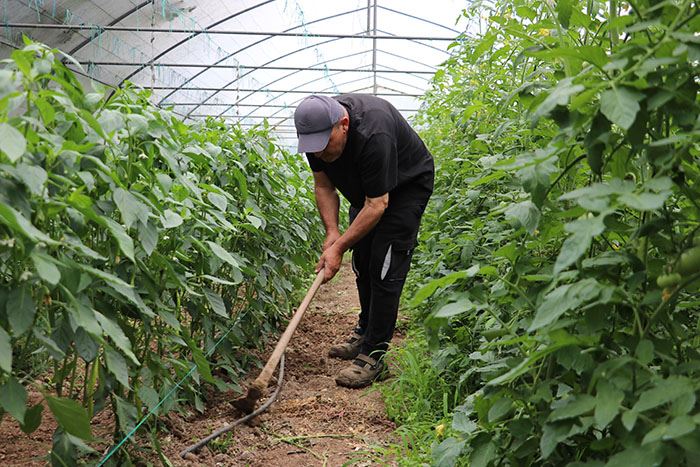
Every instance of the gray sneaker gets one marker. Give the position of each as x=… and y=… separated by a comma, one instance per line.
x=363, y=371
x=348, y=349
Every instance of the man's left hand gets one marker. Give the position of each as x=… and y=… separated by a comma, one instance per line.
x=330, y=262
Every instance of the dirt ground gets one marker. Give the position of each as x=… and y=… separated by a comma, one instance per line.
x=313, y=423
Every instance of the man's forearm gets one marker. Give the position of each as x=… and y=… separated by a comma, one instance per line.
x=328, y=204
x=365, y=221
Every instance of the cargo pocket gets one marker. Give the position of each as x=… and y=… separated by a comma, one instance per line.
x=396, y=264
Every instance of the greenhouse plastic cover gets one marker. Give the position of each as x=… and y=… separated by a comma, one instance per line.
x=245, y=75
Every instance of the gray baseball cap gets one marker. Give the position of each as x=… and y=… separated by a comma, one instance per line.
x=314, y=118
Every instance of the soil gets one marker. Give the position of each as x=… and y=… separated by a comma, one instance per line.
x=314, y=422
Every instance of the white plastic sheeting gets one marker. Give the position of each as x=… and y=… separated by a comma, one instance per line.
x=245, y=77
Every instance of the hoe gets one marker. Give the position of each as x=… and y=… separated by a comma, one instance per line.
x=247, y=403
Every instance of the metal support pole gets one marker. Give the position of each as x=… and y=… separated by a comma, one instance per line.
x=283, y=91
x=78, y=27
x=374, y=50
x=251, y=67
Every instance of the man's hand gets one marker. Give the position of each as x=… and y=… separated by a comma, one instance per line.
x=330, y=262
x=331, y=237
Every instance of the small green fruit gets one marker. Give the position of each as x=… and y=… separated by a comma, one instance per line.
x=668, y=280
x=690, y=261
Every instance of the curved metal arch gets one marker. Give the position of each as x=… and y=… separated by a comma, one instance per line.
x=418, y=18
x=111, y=23
x=272, y=61
x=322, y=90
x=294, y=89
x=195, y=34
x=289, y=74
x=314, y=80
x=418, y=42
x=196, y=75
x=401, y=82
x=406, y=58
x=308, y=82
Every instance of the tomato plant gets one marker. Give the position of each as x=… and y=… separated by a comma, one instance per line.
x=558, y=278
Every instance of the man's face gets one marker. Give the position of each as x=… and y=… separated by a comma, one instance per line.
x=336, y=143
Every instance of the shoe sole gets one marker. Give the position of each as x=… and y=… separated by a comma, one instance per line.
x=358, y=384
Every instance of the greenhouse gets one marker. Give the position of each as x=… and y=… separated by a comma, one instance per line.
x=382, y=232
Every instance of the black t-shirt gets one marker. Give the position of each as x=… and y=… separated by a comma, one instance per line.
x=382, y=155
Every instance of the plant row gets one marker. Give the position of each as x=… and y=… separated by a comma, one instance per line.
x=134, y=247
x=558, y=274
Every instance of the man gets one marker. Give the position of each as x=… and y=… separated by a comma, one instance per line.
x=360, y=145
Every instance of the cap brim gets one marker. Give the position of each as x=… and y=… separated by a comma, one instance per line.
x=314, y=142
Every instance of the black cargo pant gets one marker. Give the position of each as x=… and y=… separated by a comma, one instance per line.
x=381, y=260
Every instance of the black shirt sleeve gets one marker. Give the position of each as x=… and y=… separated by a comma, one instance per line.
x=314, y=163
x=378, y=165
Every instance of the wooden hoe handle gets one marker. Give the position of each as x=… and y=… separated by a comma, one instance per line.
x=263, y=379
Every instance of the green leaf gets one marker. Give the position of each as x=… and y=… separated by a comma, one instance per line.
x=127, y=415
x=33, y=176
x=71, y=416
x=201, y=361
x=113, y=330
x=526, y=213
x=499, y=409
x=680, y=426
x=578, y=244
x=620, y=105
x=455, y=308
x=5, y=351
x=255, y=221
x=553, y=434
x=645, y=351
x=20, y=309
x=607, y=403
x=576, y=406
x=130, y=207
x=218, y=200
x=149, y=397
x=564, y=298
x=431, y=287
x=462, y=423
x=629, y=419
x=170, y=219
x=219, y=251
x=483, y=454
x=665, y=391
x=645, y=201
x=216, y=302
x=564, y=10
x=218, y=280
x=446, y=453
x=13, y=398
x=117, y=365
x=126, y=244
x=148, y=236
x=13, y=142
x=17, y=222
x=48, y=114
x=32, y=418
x=559, y=95
x=46, y=268
x=637, y=456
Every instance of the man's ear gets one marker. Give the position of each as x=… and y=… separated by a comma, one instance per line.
x=345, y=122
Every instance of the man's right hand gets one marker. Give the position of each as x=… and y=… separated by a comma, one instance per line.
x=331, y=237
